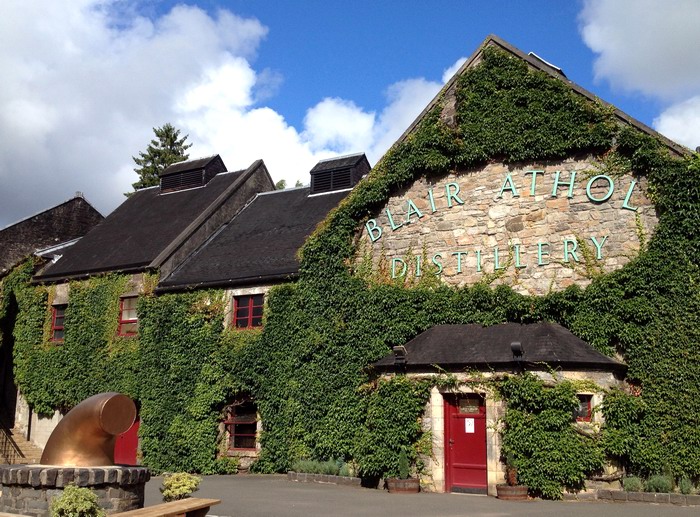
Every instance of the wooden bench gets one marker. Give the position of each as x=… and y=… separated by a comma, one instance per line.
x=190, y=507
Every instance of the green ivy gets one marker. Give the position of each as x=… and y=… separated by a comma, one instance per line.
x=541, y=438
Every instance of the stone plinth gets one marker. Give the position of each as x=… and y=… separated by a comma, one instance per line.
x=29, y=489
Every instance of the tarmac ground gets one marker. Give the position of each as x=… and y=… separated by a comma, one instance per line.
x=273, y=495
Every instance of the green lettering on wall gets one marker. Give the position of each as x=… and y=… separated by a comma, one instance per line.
x=412, y=210
x=598, y=246
x=395, y=261
x=393, y=225
x=459, y=254
x=478, y=261
x=558, y=183
x=508, y=185
x=570, y=247
x=625, y=203
x=611, y=188
x=452, y=195
x=541, y=253
x=373, y=229
x=438, y=263
x=533, y=184
x=431, y=198
x=516, y=252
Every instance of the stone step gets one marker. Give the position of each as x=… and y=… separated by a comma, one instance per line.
x=32, y=453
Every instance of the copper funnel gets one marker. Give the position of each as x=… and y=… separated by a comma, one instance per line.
x=86, y=435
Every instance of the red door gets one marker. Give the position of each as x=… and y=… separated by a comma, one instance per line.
x=465, y=444
x=126, y=445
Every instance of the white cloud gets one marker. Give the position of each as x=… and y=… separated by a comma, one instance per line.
x=452, y=70
x=681, y=122
x=339, y=125
x=89, y=80
x=651, y=47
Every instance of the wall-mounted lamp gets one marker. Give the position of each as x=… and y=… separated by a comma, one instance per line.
x=400, y=357
x=516, y=347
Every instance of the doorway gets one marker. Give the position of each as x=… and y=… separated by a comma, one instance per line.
x=465, y=443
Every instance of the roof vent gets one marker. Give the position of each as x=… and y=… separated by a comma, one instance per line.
x=338, y=173
x=191, y=174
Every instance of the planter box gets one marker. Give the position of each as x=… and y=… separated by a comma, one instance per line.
x=323, y=478
x=511, y=493
x=403, y=486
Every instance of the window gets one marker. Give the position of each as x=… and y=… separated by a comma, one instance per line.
x=583, y=413
x=248, y=311
x=242, y=425
x=128, y=322
x=58, y=314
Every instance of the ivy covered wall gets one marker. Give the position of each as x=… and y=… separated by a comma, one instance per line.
x=308, y=368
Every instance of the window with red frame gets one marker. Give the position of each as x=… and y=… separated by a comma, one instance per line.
x=584, y=410
x=128, y=321
x=242, y=425
x=58, y=314
x=248, y=311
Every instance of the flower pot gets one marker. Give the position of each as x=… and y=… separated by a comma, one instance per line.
x=403, y=486
x=511, y=493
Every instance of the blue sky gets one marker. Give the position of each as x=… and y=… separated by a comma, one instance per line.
x=294, y=82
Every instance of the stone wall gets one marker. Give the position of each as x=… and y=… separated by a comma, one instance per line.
x=28, y=490
x=496, y=223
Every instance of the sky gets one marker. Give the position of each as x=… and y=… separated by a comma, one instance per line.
x=293, y=82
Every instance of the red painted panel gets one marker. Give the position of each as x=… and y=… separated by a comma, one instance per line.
x=465, y=443
x=126, y=445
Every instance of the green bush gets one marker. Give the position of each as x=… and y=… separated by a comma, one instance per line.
x=226, y=465
x=76, y=502
x=403, y=465
x=685, y=485
x=329, y=467
x=179, y=486
x=659, y=483
x=632, y=484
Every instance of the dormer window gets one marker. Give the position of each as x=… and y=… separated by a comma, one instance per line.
x=338, y=173
x=190, y=174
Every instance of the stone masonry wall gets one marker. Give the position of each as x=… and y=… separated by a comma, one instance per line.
x=496, y=224
x=29, y=489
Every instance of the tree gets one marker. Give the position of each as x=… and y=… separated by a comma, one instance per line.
x=164, y=150
x=281, y=185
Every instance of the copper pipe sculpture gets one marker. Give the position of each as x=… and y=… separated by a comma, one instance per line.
x=85, y=437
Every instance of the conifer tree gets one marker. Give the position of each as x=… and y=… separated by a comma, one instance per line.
x=164, y=150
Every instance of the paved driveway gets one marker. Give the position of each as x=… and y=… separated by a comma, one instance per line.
x=254, y=495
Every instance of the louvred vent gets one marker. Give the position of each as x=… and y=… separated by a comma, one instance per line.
x=182, y=180
x=328, y=181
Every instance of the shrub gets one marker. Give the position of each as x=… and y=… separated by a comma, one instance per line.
x=685, y=485
x=179, y=486
x=226, y=465
x=632, y=484
x=403, y=465
x=76, y=502
x=330, y=467
x=659, y=483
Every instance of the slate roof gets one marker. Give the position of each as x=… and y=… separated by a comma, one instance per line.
x=132, y=236
x=259, y=244
x=60, y=224
x=459, y=346
x=339, y=162
x=198, y=163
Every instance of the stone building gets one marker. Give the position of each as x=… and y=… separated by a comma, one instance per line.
x=47, y=234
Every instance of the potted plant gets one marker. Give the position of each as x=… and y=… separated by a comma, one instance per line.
x=403, y=484
x=511, y=490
